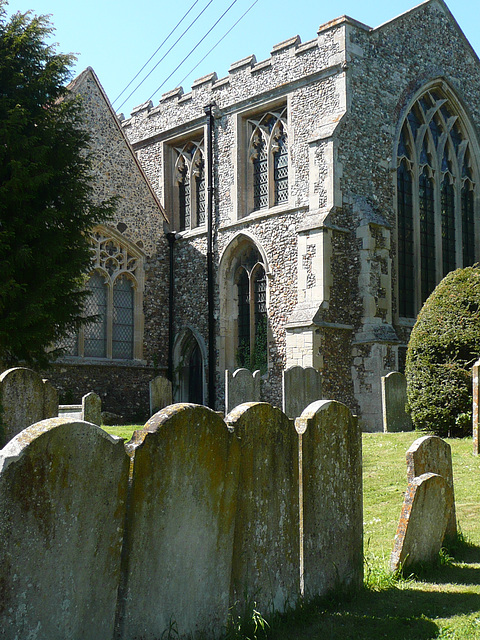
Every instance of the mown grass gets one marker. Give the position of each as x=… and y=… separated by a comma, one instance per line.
x=442, y=603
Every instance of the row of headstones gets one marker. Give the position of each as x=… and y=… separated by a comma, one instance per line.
x=204, y=514
x=26, y=398
x=428, y=513
x=301, y=387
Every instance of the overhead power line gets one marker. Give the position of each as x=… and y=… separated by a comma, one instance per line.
x=217, y=43
x=165, y=54
x=194, y=48
x=155, y=53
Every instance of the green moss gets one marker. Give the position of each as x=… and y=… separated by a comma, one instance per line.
x=443, y=347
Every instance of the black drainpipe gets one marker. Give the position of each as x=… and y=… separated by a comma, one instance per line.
x=171, y=236
x=210, y=273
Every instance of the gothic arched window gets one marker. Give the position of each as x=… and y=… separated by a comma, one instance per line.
x=436, y=222
x=190, y=185
x=115, y=287
x=268, y=153
x=251, y=284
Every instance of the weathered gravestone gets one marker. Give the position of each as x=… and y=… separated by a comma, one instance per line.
x=394, y=400
x=476, y=407
x=300, y=386
x=63, y=488
x=266, y=543
x=181, y=523
x=423, y=521
x=160, y=394
x=331, y=509
x=24, y=399
x=241, y=386
x=92, y=408
x=431, y=454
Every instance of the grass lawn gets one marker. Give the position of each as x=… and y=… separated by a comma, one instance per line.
x=443, y=603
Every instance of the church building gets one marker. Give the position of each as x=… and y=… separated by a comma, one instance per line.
x=297, y=212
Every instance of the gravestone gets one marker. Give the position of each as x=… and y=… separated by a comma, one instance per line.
x=300, y=387
x=181, y=523
x=431, y=454
x=331, y=510
x=160, y=394
x=476, y=407
x=394, y=400
x=25, y=399
x=92, y=408
x=241, y=386
x=266, y=543
x=63, y=489
x=423, y=521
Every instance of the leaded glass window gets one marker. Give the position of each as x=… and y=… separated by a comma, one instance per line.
x=96, y=332
x=251, y=284
x=115, y=299
x=190, y=183
x=123, y=318
x=268, y=153
x=436, y=222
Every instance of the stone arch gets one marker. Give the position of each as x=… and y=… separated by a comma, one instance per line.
x=243, y=255
x=189, y=357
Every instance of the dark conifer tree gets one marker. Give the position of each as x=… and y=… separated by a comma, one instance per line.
x=47, y=199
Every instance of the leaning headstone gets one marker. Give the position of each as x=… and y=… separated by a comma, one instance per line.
x=50, y=400
x=266, y=543
x=331, y=510
x=423, y=521
x=431, y=454
x=63, y=489
x=92, y=408
x=476, y=407
x=394, y=400
x=22, y=401
x=241, y=386
x=301, y=386
x=181, y=523
x=160, y=394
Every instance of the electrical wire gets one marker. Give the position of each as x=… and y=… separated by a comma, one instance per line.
x=217, y=43
x=158, y=49
x=192, y=50
x=165, y=54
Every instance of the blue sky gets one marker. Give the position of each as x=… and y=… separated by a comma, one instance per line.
x=117, y=37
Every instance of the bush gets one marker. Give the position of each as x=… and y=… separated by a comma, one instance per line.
x=443, y=347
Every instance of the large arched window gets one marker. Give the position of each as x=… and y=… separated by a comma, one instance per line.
x=436, y=221
x=115, y=287
x=268, y=153
x=190, y=185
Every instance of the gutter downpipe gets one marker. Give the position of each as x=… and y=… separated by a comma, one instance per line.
x=210, y=272
x=171, y=237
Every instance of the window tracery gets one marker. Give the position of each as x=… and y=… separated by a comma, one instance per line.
x=190, y=182
x=435, y=199
x=115, y=286
x=268, y=154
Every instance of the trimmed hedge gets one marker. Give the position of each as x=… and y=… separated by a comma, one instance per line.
x=443, y=347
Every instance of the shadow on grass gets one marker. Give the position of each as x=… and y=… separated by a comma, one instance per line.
x=403, y=613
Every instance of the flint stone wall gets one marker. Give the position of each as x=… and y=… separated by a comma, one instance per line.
x=423, y=521
x=25, y=398
x=431, y=454
x=267, y=536
x=301, y=386
x=63, y=487
x=394, y=399
x=241, y=386
x=331, y=512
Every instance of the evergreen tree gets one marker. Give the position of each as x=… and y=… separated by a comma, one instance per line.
x=47, y=202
